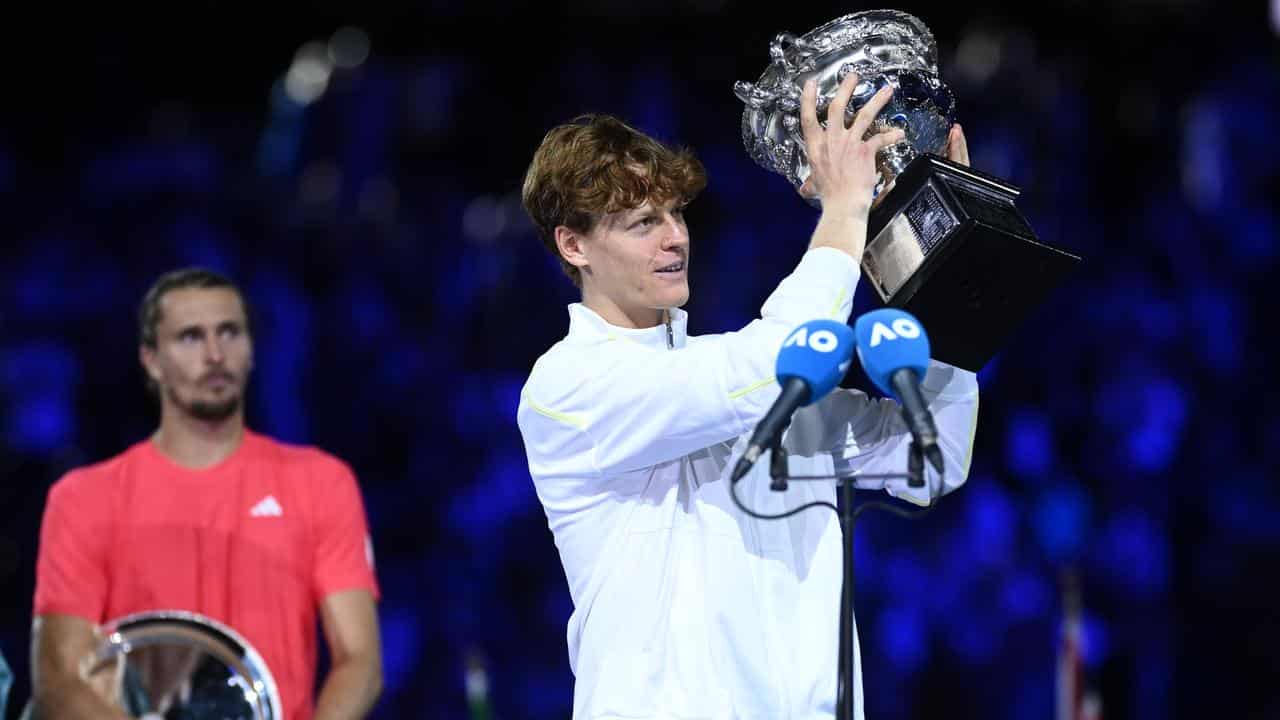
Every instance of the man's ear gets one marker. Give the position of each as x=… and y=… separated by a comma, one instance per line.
x=147, y=356
x=570, y=244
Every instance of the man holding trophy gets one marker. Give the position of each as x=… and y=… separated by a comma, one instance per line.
x=187, y=574
x=945, y=242
x=685, y=607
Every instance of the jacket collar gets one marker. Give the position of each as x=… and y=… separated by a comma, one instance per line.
x=586, y=325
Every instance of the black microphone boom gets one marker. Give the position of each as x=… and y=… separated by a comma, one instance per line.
x=795, y=393
x=916, y=412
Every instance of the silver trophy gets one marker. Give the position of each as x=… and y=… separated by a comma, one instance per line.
x=178, y=665
x=885, y=47
x=945, y=242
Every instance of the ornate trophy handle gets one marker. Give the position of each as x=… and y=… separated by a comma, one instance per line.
x=755, y=97
x=791, y=52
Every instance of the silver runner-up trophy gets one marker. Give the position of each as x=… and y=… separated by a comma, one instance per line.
x=177, y=665
x=944, y=242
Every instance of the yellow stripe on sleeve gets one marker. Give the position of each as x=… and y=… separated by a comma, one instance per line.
x=751, y=388
x=571, y=420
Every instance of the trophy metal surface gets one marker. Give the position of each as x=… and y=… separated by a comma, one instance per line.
x=944, y=242
x=179, y=665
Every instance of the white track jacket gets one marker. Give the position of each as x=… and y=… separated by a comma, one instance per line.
x=684, y=607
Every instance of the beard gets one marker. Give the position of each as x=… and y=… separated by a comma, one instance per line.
x=207, y=411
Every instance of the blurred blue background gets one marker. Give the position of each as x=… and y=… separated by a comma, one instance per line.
x=357, y=170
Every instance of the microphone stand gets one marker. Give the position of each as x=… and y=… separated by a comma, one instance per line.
x=915, y=478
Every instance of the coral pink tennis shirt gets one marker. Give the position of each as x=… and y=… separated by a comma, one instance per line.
x=255, y=542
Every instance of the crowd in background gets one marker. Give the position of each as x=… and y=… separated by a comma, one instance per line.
x=371, y=212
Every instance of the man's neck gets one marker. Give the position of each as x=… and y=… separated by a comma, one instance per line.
x=197, y=444
x=617, y=315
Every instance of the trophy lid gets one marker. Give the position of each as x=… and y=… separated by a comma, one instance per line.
x=886, y=40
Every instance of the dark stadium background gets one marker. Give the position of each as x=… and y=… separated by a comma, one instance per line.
x=1128, y=434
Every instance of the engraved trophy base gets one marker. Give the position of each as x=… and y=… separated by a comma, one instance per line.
x=948, y=245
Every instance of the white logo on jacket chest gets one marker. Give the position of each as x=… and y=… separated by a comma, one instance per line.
x=267, y=507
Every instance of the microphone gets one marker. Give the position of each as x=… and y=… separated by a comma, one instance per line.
x=894, y=352
x=812, y=361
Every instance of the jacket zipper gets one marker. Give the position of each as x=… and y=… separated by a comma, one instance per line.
x=671, y=338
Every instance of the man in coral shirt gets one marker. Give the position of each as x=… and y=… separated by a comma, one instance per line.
x=209, y=517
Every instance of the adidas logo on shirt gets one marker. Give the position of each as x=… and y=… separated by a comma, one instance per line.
x=267, y=507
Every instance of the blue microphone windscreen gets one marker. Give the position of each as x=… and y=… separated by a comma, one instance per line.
x=889, y=340
x=818, y=352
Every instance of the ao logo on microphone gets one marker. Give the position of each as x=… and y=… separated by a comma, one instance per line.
x=902, y=327
x=824, y=341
